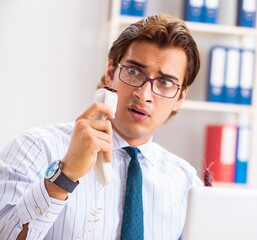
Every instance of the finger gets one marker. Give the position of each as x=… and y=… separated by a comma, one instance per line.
x=102, y=130
x=97, y=108
x=108, y=156
x=104, y=139
x=98, y=128
x=101, y=125
x=106, y=148
x=104, y=143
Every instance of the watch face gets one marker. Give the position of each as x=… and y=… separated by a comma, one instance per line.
x=51, y=169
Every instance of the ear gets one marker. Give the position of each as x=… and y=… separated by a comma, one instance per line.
x=181, y=99
x=109, y=73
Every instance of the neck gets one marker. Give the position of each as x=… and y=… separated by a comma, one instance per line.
x=133, y=141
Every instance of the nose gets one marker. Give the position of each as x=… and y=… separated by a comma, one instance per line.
x=144, y=93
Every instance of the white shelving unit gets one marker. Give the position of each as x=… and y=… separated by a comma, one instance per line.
x=188, y=126
x=217, y=107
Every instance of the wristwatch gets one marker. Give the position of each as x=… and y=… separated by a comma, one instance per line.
x=55, y=175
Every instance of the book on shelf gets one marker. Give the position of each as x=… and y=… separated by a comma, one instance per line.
x=138, y=8
x=133, y=7
x=231, y=74
x=210, y=11
x=232, y=68
x=246, y=76
x=246, y=13
x=193, y=10
x=216, y=79
x=227, y=151
x=125, y=6
x=242, y=153
x=220, y=150
x=201, y=10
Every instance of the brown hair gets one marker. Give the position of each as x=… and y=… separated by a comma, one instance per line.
x=165, y=31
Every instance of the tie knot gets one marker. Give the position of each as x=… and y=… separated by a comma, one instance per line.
x=132, y=152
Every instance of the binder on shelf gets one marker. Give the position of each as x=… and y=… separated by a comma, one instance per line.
x=210, y=11
x=246, y=76
x=220, y=149
x=231, y=87
x=125, y=6
x=242, y=154
x=216, y=81
x=138, y=7
x=246, y=13
x=193, y=10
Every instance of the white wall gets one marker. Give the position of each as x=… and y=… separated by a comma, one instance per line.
x=50, y=53
x=51, y=57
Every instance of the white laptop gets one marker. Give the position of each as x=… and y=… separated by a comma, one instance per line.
x=221, y=214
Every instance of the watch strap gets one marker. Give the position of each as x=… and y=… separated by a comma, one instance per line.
x=65, y=183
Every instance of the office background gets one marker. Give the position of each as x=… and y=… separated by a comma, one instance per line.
x=53, y=52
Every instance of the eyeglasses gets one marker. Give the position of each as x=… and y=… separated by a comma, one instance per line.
x=161, y=86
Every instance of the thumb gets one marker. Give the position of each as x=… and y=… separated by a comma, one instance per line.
x=108, y=156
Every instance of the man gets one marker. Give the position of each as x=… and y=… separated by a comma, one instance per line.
x=151, y=65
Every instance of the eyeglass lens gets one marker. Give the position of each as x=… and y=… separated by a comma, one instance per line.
x=136, y=78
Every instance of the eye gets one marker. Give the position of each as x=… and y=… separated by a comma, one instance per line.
x=166, y=83
x=133, y=71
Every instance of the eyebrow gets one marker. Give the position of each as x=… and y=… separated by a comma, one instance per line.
x=141, y=65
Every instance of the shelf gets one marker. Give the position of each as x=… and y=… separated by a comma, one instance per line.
x=201, y=27
x=221, y=29
x=216, y=107
x=206, y=35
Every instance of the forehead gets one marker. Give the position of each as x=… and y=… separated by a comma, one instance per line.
x=169, y=60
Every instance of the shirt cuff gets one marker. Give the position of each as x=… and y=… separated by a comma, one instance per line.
x=37, y=208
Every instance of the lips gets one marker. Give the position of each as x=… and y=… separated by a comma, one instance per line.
x=138, y=111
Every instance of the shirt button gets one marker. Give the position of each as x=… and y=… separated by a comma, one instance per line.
x=49, y=215
x=37, y=210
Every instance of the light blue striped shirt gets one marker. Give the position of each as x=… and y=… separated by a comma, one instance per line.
x=23, y=197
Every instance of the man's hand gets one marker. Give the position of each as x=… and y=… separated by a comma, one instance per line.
x=89, y=137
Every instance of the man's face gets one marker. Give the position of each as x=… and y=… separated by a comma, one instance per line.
x=140, y=112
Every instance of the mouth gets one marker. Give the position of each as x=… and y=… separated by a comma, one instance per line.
x=139, y=111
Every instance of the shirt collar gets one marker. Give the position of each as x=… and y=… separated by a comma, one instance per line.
x=145, y=149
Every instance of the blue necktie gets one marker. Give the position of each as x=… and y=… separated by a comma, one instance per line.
x=133, y=223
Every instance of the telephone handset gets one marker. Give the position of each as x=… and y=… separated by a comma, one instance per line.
x=103, y=170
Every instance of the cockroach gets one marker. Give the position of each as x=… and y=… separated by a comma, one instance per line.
x=207, y=175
